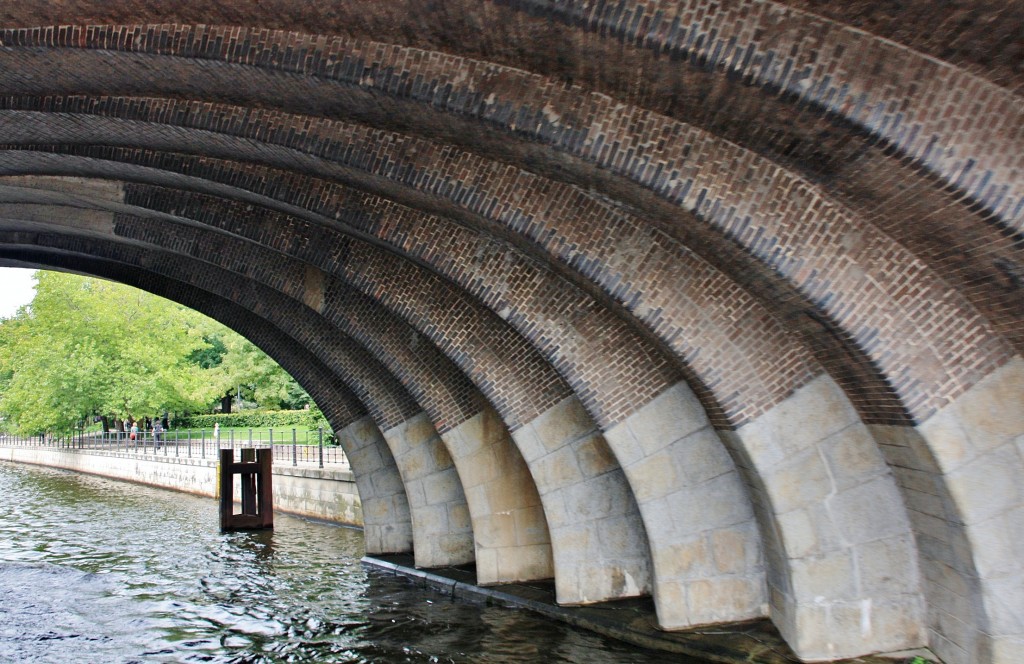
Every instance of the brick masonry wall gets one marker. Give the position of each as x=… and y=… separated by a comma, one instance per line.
x=795, y=210
x=727, y=530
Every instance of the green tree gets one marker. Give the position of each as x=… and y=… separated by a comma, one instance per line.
x=88, y=346
x=261, y=380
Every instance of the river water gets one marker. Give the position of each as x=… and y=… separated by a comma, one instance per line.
x=95, y=570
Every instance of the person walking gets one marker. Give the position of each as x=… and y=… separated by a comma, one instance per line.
x=134, y=435
x=158, y=432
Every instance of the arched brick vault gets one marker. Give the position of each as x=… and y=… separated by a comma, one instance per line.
x=861, y=191
x=651, y=495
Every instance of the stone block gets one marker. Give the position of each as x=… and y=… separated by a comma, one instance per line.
x=531, y=527
x=366, y=458
x=991, y=413
x=495, y=531
x=813, y=413
x=418, y=430
x=888, y=567
x=1008, y=648
x=487, y=565
x=903, y=446
x=877, y=626
x=555, y=509
x=453, y=549
x=557, y=470
x=724, y=599
x=364, y=431
x=467, y=437
x=575, y=543
x=478, y=497
x=507, y=494
x=731, y=550
x=438, y=453
x=456, y=445
x=415, y=492
x=942, y=570
x=671, y=606
x=925, y=503
x=831, y=576
x=953, y=628
x=593, y=455
x=1004, y=602
x=430, y=520
x=801, y=535
x=672, y=415
x=525, y=563
x=869, y=512
x=479, y=467
x=853, y=456
x=387, y=481
x=562, y=423
x=802, y=481
x=459, y=517
x=413, y=462
x=702, y=456
x=443, y=487
x=947, y=440
x=530, y=446
x=684, y=560
x=624, y=444
x=988, y=485
x=997, y=544
x=655, y=477
x=622, y=537
x=948, y=651
x=507, y=455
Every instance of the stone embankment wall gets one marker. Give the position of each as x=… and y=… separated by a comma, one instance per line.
x=326, y=494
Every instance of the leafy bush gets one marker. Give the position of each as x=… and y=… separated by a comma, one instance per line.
x=299, y=419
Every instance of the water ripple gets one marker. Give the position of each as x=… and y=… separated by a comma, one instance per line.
x=94, y=570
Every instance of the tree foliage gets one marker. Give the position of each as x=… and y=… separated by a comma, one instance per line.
x=244, y=367
x=87, y=346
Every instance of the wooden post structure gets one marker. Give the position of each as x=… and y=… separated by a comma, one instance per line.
x=257, y=491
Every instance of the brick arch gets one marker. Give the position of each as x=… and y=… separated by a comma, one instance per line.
x=982, y=276
x=388, y=56
x=819, y=62
x=594, y=513
x=949, y=459
x=808, y=462
x=385, y=508
x=440, y=525
x=824, y=275
x=678, y=63
x=750, y=383
x=209, y=210
x=657, y=500
x=511, y=537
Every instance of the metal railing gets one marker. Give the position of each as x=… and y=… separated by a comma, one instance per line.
x=289, y=447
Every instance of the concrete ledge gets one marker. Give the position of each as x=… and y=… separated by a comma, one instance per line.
x=335, y=475
x=629, y=620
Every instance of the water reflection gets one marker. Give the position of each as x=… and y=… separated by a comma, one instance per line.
x=94, y=570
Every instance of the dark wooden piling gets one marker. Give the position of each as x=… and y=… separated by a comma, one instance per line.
x=254, y=471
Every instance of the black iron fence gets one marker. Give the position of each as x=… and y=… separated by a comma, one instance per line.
x=291, y=446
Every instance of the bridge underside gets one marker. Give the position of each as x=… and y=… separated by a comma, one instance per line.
x=718, y=303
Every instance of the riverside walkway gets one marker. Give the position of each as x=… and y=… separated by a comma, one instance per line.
x=291, y=446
